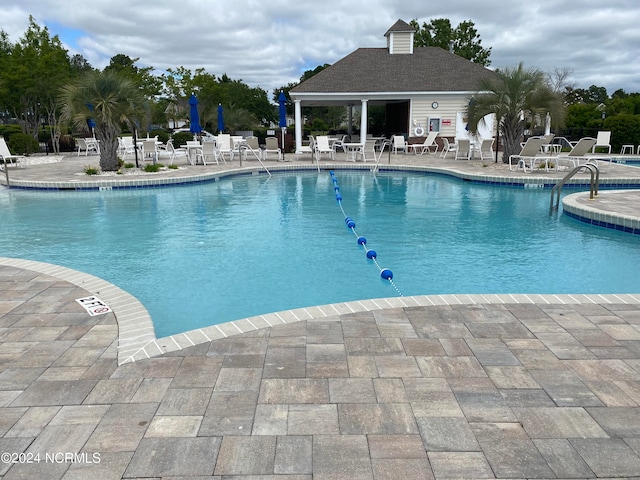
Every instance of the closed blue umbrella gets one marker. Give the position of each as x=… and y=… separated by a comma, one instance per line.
x=282, y=109
x=194, y=117
x=220, y=118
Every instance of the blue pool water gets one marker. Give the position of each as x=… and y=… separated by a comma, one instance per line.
x=209, y=253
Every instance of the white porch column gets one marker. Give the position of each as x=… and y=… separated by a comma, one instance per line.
x=363, y=121
x=298, y=120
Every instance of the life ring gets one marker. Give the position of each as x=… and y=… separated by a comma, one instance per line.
x=419, y=131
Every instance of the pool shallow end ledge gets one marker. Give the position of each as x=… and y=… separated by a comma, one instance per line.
x=136, y=334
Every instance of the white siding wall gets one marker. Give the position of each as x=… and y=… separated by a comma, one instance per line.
x=448, y=106
x=400, y=43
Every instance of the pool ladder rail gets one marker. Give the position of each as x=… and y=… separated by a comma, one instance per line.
x=594, y=185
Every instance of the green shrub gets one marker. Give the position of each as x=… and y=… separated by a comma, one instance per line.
x=9, y=129
x=23, y=144
x=625, y=130
x=173, y=167
x=162, y=135
x=67, y=143
x=151, y=168
x=181, y=138
x=89, y=170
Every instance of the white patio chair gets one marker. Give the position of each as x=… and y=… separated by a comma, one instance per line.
x=398, y=143
x=486, y=149
x=602, y=141
x=174, y=152
x=338, y=144
x=225, y=146
x=271, y=146
x=322, y=147
x=126, y=147
x=367, y=151
x=252, y=146
x=307, y=149
x=150, y=150
x=208, y=151
x=463, y=149
x=447, y=148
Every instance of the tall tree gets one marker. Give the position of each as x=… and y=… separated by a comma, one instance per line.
x=80, y=65
x=110, y=100
x=517, y=96
x=464, y=40
x=140, y=76
x=36, y=68
x=5, y=59
x=593, y=94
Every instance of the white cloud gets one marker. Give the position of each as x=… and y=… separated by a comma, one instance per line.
x=271, y=44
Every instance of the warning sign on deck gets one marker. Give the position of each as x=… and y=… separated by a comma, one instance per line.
x=93, y=305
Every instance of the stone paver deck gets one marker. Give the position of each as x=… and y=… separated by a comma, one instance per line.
x=509, y=387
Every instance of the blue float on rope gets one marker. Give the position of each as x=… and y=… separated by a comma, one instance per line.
x=385, y=273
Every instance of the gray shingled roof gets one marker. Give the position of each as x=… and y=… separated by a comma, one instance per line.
x=428, y=69
x=400, y=26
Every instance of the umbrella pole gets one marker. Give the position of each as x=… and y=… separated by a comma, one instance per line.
x=135, y=147
x=283, y=131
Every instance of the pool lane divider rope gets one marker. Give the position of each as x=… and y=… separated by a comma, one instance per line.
x=372, y=255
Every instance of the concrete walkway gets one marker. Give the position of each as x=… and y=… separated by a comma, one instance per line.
x=490, y=387
x=513, y=390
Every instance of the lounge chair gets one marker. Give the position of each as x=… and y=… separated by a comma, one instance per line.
x=486, y=149
x=271, y=146
x=577, y=154
x=527, y=156
x=7, y=158
x=603, y=140
x=548, y=147
x=322, y=147
x=463, y=149
x=429, y=143
x=398, y=143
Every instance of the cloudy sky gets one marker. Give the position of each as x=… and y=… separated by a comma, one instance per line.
x=271, y=43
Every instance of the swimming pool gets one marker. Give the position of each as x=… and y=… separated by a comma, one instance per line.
x=209, y=253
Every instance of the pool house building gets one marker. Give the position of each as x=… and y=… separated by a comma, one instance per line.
x=423, y=89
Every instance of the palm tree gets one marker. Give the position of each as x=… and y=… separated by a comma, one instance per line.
x=516, y=96
x=109, y=100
